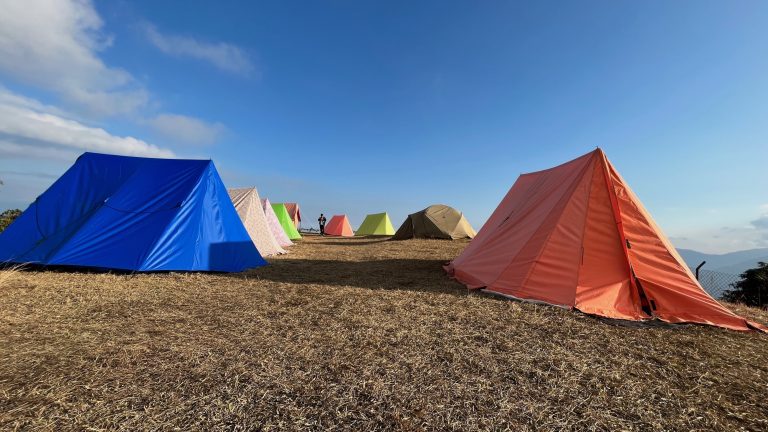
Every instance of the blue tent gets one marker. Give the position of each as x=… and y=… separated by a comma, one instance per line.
x=129, y=213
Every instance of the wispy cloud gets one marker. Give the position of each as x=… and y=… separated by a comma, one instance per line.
x=761, y=223
x=54, y=45
x=186, y=130
x=224, y=56
x=30, y=131
x=749, y=235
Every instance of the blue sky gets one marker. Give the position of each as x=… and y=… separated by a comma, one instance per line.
x=359, y=107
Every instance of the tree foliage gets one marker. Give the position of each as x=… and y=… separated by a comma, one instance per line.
x=7, y=217
x=752, y=289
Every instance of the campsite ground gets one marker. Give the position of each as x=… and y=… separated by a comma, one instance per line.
x=353, y=334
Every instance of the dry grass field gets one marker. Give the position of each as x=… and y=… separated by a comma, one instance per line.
x=353, y=334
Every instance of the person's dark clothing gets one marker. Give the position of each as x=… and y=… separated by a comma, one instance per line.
x=321, y=222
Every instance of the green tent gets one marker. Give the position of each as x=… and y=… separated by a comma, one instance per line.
x=376, y=224
x=285, y=221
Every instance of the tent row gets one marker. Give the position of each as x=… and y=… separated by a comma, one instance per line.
x=435, y=222
x=144, y=214
x=269, y=225
x=377, y=224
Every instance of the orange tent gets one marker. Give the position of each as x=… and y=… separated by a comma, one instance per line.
x=339, y=226
x=577, y=236
x=294, y=212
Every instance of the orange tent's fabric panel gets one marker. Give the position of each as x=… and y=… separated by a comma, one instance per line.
x=504, y=250
x=476, y=275
x=553, y=272
x=576, y=235
x=664, y=277
x=339, y=226
x=604, y=286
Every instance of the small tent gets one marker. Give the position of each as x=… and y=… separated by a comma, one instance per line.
x=285, y=221
x=274, y=224
x=248, y=205
x=377, y=224
x=294, y=212
x=437, y=222
x=577, y=236
x=134, y=214
x=339, y=226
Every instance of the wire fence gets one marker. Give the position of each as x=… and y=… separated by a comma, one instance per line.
x=717, y=283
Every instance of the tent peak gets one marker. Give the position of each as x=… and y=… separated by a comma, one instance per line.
x=597, y=153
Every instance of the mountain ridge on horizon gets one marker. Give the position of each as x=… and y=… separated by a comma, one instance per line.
x=735, y=262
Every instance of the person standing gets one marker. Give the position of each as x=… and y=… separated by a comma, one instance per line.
x=321, y=222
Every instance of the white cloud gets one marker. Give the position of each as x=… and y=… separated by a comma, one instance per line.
x=53, y=44
x=31, y=130
x=224, y=56
x=187, y=130
x=728, y=238
x=761, y=223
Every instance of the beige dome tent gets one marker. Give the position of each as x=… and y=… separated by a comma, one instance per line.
x=436, y=221
x=248, y=206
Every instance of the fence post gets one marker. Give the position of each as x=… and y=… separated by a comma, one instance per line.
x=699, y=267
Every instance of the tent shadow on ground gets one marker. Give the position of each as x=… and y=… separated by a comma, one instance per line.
x=388, y=274
x=357, y=241
x=415, y=275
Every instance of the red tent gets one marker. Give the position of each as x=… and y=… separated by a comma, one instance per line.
x=577, y=236
x=294, y=212
x=339, y=226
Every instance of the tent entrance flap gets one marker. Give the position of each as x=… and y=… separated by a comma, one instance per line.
x=637, y=290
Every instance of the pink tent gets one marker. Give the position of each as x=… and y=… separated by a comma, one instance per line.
x=274, y=224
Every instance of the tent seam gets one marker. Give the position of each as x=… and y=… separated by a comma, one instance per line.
x=583, y=231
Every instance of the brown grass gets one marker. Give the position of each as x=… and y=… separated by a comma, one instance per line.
x=353, y=334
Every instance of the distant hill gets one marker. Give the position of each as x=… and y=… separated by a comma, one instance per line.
x=733, y=262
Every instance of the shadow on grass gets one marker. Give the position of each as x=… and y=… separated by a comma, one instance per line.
x=387, y=274
x=349, y=241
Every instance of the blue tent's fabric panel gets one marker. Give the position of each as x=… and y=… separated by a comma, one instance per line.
x=60, y=211
x=124, y=229
x=132, y=214
x=220, y=240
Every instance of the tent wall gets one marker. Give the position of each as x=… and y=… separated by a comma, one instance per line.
x=274, y=224
x=295, y=213
x=377, y=224
x=339, y=226
x=436, y=222
x=135, y=214
x=248, y=205
x=577, y=236
x=286, y=222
